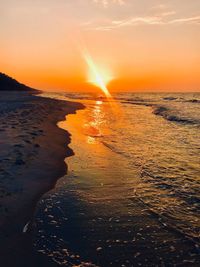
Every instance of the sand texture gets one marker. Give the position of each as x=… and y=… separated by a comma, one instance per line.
x=32, y=156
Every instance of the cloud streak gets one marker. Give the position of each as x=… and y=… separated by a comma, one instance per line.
x=191, y=20
x=158, y=15
x=148, y=20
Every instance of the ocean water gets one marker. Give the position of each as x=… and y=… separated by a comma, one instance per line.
x=132, y=193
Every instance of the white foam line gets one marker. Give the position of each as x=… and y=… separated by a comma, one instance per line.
x=26, y=227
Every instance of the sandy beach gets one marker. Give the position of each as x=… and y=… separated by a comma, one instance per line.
x=100, y=133
x=86, y=210
x=33, y=149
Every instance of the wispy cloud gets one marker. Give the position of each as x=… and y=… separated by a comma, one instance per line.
x=161, y=14
x=191, y=20
x=164, y=18
x=106, y=3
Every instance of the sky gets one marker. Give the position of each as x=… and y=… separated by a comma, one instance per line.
x=142, y=45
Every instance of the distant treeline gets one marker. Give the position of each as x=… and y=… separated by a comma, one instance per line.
x=9, y=84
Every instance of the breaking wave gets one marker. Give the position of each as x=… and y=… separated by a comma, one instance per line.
x=168, y=115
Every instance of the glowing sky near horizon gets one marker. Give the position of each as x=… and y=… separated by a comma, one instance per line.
x=96, y=76
x=149, y=45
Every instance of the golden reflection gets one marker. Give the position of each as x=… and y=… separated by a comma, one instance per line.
x=99, y=102
x=91, y=140
x=93, y=127
x=92, y=122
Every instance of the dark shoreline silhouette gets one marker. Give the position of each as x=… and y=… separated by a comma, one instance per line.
x=32, y=156
x=8, y=83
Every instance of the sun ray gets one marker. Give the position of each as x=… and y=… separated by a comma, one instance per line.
x=97, y=77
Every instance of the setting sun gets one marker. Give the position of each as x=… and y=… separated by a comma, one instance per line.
x=99, y=133
x=96, y=76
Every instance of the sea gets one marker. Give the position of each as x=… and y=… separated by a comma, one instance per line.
x=131, y=196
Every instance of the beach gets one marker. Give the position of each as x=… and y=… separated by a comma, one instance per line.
x=88, y=182
x=33, y=149
x=100, y=133
x=130, y=197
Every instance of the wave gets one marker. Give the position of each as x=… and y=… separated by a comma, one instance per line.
x=170, y=222
x=172, y=216
x=176, y=99
x=195, y=101
x=114, y=149
x=137, y=103
x=167, y=114
x=170, y=98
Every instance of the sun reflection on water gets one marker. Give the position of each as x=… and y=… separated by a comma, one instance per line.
x=93, y=126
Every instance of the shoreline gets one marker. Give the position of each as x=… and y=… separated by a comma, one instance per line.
x=99, y=212
x=32, y=161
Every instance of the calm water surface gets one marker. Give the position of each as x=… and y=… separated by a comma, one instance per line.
x=132, y=193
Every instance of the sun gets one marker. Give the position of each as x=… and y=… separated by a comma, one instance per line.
x=100, y=77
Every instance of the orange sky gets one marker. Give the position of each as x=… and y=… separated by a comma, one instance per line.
x=147, y=45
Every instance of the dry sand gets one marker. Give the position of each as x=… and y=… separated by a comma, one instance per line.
x=32, y=156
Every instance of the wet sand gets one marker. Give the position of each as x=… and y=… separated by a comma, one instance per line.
x=32, y=156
